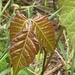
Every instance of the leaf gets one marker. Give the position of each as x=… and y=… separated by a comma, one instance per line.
x=45, y=32
x=24, y=43
x=3, y=64
x=2, y=46
x=4, y=72
x=22, y=72
x=25, y=71
x=67, y=18
x=17, y=24
x=23, y=49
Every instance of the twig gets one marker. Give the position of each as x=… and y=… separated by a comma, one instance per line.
x=61, y=31
x=60, y=57
x=5, y=16
x=58, y=73
x=54, y=69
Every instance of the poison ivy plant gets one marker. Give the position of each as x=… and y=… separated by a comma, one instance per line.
x=26, y=36
x=67, y=18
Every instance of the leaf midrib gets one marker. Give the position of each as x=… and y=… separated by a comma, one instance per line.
x=44, y=35
x=20, y=56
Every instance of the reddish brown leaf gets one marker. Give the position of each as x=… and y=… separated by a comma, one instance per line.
x=24, y=44
x=23, y=49
x=17, y=24
x=45, y=32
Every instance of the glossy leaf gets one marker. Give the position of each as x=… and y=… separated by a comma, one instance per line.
x=24, y=43
x=25, y=71
x=23, y=49
x=67, y=18
x=17, y=24
x=45, y=32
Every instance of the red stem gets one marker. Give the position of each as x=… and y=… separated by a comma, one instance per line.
x=48, y=61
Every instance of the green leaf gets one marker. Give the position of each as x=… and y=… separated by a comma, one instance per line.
x=4, y=72
x=3, y=64
x=67, y=18
x=30, y=68
x=25, y=71
x=22, y=72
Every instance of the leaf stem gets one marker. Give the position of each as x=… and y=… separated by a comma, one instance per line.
x=45, y=55
x=61, y=31
x=48, y=61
